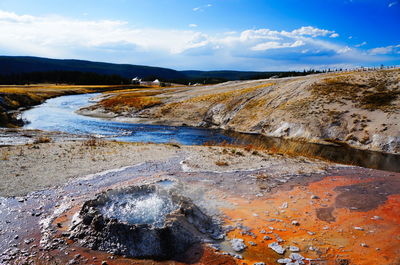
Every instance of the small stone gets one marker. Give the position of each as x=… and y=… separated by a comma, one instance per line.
x=259, y=263
x=364, y=245
x=284, y=205
x=296, y=223
x=28, y=241
x=284, y=261
x=238, y=244
x=311, y=233
x=277, y=248
x=296, y=257
x=252, y=243
x=294, y=249
x=376, y=218
x=359, y=228
x=263, y=232
x=104, y=262
x=16, y=237
x=267, y=238
x=314, y=197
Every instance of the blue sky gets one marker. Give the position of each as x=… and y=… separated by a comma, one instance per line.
x=206, y=35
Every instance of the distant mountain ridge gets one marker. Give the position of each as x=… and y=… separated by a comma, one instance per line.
x=27, y=64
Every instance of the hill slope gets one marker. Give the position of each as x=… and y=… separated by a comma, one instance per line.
x=361, y=109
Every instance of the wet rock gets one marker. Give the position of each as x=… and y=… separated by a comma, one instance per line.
x=181, y=228
x=296, y=223
x=284, y=205
x=28, y=241
x=277, y=248
x=284, y=261
x=238, y=244
x=376, y=218
x=294, y=249
x=297, y=257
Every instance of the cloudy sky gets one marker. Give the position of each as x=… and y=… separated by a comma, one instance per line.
x=206, y=35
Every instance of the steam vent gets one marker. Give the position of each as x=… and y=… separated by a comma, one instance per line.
x=142, y=222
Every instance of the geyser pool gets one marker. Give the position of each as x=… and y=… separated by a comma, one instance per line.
x=142, y=207
x=147, y=221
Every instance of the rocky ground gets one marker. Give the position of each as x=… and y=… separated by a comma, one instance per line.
x=273, y=209
x=361, y=109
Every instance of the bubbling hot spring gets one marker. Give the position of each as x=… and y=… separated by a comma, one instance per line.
x=141, y=207
x=148, y=221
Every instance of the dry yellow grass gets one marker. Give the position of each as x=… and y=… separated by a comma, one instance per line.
x=127, y=101
x=228, y=94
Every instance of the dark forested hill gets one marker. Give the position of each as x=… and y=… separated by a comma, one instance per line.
x=16, y=65
x=20, y=68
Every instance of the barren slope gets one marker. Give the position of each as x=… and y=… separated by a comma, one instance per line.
x=359, y=108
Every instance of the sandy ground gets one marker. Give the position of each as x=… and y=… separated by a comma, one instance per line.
x=32, y=167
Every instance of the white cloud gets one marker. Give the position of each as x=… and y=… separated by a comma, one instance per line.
x=344, y=50
x=201, y=8
x=361, y=44
x=392, y=49
x=334, y=35
x=276, y=45
x=311, y=31
x=118, y=41
x=392, y=4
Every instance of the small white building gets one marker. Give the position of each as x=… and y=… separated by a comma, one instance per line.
x=136, y=81
x=156, y=82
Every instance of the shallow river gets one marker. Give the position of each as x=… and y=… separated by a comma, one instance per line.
x=58, y=114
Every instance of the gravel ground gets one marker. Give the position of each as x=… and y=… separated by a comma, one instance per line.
x=32, y=167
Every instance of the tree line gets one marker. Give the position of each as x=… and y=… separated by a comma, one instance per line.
x=62, y=77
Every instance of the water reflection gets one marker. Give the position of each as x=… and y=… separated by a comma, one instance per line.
x=336, y=153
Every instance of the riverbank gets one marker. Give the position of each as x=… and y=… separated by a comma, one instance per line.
x=361, y=109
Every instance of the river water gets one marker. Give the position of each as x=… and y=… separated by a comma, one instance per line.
x=58, y=114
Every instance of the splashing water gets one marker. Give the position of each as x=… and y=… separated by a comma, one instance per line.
x=143, y=208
